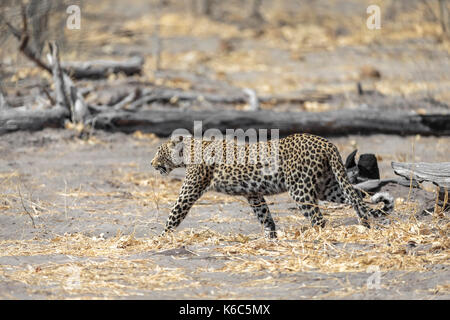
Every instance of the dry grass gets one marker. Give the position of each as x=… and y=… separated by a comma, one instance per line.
x=110, y=278
x=106, y=267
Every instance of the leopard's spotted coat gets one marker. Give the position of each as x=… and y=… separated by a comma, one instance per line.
x=306, y=166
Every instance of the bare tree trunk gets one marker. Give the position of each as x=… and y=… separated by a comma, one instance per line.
x=67, y=94
x=62, y=98
x=38, y=14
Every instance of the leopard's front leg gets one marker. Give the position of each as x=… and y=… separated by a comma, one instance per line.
x=194, y=185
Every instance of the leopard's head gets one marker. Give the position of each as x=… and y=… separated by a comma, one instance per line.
x=168, y=157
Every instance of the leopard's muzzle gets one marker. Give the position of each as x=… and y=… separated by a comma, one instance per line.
x=163, y=170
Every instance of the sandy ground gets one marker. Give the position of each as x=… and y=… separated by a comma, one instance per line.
x=98, y=206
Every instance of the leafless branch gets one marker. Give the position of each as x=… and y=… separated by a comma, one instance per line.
x=23, y=37
x=24, y=207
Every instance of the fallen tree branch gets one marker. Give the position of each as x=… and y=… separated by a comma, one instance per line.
x=331, y=123
x=437, y=173
x=166, y=95
x=164, y=122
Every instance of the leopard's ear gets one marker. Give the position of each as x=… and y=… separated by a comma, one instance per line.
x=174, y=140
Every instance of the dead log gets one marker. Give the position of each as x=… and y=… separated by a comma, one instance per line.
x=437, y=173
x=15, y=119
x=331, y=123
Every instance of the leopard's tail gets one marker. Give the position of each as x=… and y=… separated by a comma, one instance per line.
x=386, y=198
x=350, y=192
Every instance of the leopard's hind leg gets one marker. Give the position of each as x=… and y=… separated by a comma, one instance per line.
x=330, y=191
x=305, y=194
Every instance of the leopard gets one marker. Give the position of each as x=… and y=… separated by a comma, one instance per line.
x=307, y=166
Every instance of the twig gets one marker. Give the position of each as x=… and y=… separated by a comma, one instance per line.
x=128, y=99
x=92, y=124
x=49, y=97
x=31, y=203
x=65, y=198
x=24, y=207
